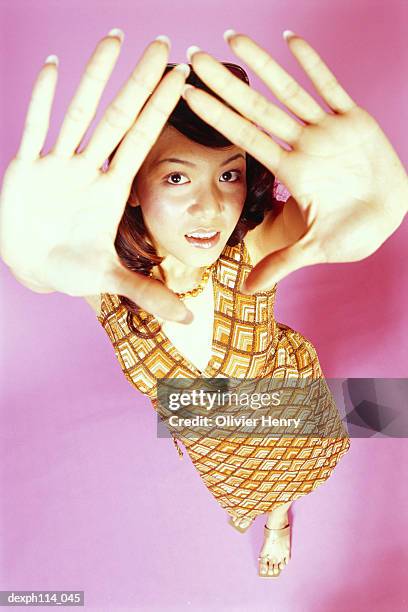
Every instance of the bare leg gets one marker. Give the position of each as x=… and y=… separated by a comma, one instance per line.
x=278, y=517
x=279, y=550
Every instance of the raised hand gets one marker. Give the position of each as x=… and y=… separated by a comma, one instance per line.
x=350, y=187
x=59, y=213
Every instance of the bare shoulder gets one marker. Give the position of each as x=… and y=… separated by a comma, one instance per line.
x=95, y=302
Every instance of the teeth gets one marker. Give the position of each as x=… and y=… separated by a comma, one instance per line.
x=201, y=235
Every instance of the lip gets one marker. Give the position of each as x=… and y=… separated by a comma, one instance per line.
x=204, y=243
x=203, y=229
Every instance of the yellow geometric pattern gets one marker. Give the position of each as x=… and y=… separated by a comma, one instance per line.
x=246, y=476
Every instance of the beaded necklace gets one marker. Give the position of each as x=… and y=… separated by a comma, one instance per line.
x=199, y=288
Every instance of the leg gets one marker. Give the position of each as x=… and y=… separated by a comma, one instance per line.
x=278, y=517
x=275, y=517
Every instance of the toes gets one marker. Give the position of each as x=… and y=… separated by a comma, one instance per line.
x=263, y=567
x=241, y=522
x=271, y=567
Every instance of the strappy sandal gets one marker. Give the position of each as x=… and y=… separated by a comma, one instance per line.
x=273, y=534
x=238, y=528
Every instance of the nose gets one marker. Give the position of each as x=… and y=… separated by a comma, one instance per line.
x=207, y=205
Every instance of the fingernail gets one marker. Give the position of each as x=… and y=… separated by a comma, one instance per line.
x=191, y=51
x=186, y=87
x=52, y=59
x=117, y=33
x=164, y=38
x=288, y=34
x=188, y=318
x=184, y=68
x=228, y=34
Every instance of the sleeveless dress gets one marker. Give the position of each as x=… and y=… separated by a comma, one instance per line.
x=246, y=476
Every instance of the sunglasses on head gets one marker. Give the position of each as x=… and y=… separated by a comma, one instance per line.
x=234, y=68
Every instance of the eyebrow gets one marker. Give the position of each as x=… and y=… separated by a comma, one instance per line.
x=187, y=163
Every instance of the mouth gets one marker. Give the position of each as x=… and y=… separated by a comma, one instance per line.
x=203, y=239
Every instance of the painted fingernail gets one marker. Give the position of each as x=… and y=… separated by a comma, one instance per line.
x=117, y=33
x=191, y=51
x=184, y=68
x=52, y=59
x=228, y=34
x=288, y=34
x=164, y=38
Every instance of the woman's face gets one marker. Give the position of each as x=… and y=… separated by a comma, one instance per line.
x=204, y=188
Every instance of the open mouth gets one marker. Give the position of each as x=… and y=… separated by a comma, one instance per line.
x=203, y=240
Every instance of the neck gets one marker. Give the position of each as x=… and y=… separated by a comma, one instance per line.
x=179, y=278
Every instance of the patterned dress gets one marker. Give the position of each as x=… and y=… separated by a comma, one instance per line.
x=247, y=476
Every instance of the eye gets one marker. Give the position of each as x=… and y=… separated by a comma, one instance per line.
x=176, y=175
x=231, y=176
x=227, y=176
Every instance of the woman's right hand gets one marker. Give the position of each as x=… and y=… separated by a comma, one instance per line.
x=59, y=213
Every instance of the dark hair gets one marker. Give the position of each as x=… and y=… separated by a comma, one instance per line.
x=134, y=250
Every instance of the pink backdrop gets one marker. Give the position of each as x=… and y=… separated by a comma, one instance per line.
x=91, y=499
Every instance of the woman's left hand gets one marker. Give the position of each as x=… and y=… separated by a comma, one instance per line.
x=347, y=180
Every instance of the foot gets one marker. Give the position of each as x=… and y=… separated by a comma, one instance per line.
x=275, y=552
x=241, y=522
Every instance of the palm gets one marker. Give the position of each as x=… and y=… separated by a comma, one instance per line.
x=333, y=174
x=347, y=180
x=59, y=212
x=67, y=239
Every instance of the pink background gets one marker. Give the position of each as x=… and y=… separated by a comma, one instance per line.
x=91, y=499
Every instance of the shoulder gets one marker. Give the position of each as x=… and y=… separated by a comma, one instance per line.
x=301, y=348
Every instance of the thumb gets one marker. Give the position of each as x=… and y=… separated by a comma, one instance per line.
x=277, y=265
x=150, y=294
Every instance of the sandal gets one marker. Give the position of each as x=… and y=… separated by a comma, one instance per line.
x=274, y=534
x=240, y=529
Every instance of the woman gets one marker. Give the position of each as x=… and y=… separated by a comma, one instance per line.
x=77, y=240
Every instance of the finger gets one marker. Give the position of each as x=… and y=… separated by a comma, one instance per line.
x=284, y=87
x=144, y=133
x=39, y=111
x=122, y=112
x=84, y=104
x=150, y=294
x=322, y=78
x=279, y=264
x=244, y=99
x=236, y=128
